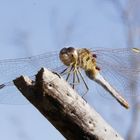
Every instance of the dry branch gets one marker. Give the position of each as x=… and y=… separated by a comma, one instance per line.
x=64, y=108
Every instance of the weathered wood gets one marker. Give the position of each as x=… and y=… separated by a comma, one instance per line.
x=64, y=108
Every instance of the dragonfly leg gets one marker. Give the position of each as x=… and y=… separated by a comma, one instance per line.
x=76, y=79
x=69, y=73
x=56, y=74
x=63, y=72
x=73, y=86
x=84, y=84
x=66, y=71
x=74, y=71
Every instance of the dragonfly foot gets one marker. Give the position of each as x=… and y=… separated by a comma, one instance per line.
x=84, y=99
x=56, y=74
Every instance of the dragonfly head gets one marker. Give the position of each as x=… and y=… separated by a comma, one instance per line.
x=68, y=56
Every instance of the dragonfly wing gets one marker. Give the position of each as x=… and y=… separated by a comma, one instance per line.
x=12, y=68
x=123, y=59
x=121, y=68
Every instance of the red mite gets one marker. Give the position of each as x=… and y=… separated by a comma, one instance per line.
x=97, y=68
x=94, y=55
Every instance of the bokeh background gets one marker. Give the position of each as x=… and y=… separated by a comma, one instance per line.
x=31, y=27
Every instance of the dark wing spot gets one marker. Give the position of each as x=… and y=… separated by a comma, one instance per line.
x=2, y=86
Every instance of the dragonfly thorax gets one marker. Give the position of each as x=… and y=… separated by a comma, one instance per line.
x=68, y=56
x=80, y=58
x=87, y=61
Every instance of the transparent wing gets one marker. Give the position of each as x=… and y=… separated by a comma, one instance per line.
x=118, y=66
x=121, y=68
x=12, y=68
x=123, y=59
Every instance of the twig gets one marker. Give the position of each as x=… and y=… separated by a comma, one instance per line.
x=64, y=108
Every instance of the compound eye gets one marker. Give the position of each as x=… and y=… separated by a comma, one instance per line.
x=70, y=49
x=63, y=51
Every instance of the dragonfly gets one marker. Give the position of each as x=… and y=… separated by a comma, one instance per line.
x=103, y=66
